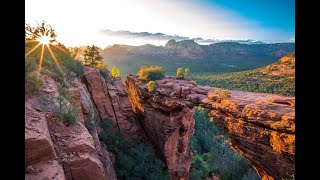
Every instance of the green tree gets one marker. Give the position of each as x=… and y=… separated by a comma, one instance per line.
x=92, y=56
x=115, y=71
x=43, y=29
x=74, y=51
x=151, y=73
x=179, y=72
x=186, y=72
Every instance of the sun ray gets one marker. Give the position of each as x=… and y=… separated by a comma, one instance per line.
x=30, y=40
x=55, y=60
x=32, y=50
x=40, y=63
x=61, y=48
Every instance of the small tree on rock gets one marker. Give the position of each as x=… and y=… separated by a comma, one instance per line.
x=186, y=72
x=179, y=72
x=115, y=71
x=92, y=56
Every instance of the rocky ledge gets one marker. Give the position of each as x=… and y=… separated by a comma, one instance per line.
x=261, y=126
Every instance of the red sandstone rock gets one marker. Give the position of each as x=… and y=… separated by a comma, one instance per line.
x=46, y=170
x=76, y=149
x=75, y=94
x=261, y=126
x=38, y=144
x=97, y=88
x=170, y=132
x=82, y=158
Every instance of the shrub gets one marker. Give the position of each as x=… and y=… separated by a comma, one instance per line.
x=33, y=84
x=151, y=73
x=179, y=73
x=90, y=125
x=30, y=66
x=68, y=113
x=224, y=94
x=186, y=72
x=115, y=71
x=151, y=85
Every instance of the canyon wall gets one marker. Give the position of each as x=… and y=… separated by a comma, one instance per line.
x=261, y=126
x=55, y=150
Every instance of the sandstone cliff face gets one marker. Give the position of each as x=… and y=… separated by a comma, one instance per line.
x=261, y=126
x=75, y=152
x=110, y=99
x=56, y=151
x=168, y=124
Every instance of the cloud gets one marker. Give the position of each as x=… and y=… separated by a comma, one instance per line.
x=292, y=39
x=143, y=35
x=165, y=37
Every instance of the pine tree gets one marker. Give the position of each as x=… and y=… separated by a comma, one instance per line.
x=92, y=56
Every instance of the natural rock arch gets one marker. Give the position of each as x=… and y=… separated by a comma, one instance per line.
x=261, y=126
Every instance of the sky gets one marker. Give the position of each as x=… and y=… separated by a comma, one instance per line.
x=138, y=22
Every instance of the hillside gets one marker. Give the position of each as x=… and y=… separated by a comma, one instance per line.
x=278, y=77
x=214, y=58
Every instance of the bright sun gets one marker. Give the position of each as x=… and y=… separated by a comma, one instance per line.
x=44, y=40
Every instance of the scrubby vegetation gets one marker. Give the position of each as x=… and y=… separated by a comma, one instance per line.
x=213, y=154
x=68, y=113
x=252, y=80
x=32, y=83
x=55, y=54
x=179, y=73
x=151, y=73
x=224, y=94
x=151, y=85
x=115, y=72
x=186, y=72
x=278, y=78
x=134, y=160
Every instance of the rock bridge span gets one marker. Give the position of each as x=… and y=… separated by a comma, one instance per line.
x=261, y=126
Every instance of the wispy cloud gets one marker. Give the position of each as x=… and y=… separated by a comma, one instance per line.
x=165, y=37
x=143, y=35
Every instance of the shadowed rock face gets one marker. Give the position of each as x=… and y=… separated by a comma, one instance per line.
x=261, y=126
x=168, y=124
x=110, y=99
x=56, y=151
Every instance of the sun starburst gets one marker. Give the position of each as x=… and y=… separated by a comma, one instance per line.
x=44, y=40
x=45, y=36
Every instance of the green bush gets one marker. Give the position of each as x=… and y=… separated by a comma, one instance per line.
x=150, y=86
x=69, y=115
x=151, y=73
x=179, y=73
x=224, y=94
x=90, y=125
x=134, y=160
x=68, y=112
x=33, y=84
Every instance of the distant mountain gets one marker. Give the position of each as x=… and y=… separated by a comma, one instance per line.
x=215, y=58
x=278, y=77
x=190, y=49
